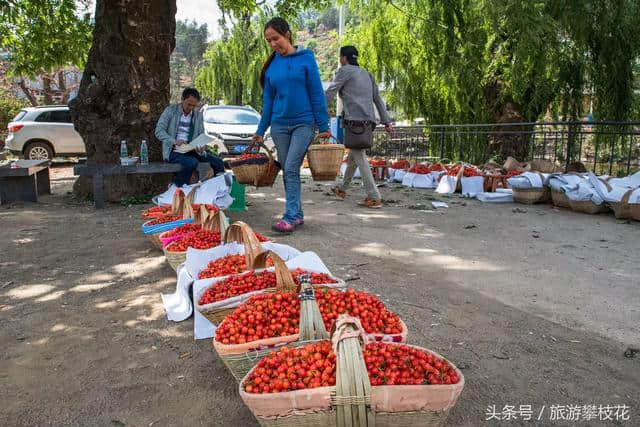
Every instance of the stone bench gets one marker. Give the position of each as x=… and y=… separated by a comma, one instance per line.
x=27, y=180
x=99, y=171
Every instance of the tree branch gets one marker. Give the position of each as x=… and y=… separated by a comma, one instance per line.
x=27, y=92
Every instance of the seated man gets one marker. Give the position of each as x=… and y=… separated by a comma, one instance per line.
x=180, y=124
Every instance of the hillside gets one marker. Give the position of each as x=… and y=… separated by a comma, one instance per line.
x=324, y=45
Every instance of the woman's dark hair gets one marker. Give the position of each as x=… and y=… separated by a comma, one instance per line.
x=190, y=91
x=281, y=27
x=351, y=53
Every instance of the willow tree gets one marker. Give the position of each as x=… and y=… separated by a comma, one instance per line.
x=505, y=61
x=234, y=62
x=233, y=65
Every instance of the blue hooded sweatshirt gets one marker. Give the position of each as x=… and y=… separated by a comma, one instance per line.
x=293, y=93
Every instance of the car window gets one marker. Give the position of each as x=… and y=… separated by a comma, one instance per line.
x=231, y=116
x=19, y=116
x=60, y=116
x=43, y=117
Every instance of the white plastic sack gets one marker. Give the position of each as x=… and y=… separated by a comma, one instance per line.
x=447, y=184
x=417, y=180
x=472, y=185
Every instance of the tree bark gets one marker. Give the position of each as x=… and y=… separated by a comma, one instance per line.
x=27, y=92
x=125, y=87
x=507, y=141
x=46, y=89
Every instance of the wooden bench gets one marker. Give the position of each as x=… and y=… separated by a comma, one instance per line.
x=99, y=171
x=25, y=181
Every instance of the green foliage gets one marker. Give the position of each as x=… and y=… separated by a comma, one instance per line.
x=504, y=60
x=9, y=107
x=136, y=200
x=43, y=36
x=191, y=42
x=233, y=65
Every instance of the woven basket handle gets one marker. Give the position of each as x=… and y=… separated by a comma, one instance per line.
x=272, y=160
x=625, y=208
x=311, y=326
x=216, y=222
x=241, y=232
x=284, y=279
x=353, y=389
x=177, y=203
x=187, y=209
x=201, y=215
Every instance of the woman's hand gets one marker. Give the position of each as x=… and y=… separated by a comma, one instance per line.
x=256, y=139
x=325, y=135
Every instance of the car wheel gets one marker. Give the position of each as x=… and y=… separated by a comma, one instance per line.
x=38, y=151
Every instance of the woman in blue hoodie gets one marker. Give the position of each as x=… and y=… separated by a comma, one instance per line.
x=293, y=104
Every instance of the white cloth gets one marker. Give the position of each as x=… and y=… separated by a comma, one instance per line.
x=497, y=197
x=166, y=198
x=178, y=305
x=528, y=180
x=472, y=186
x=557, y=181
x=214, y=191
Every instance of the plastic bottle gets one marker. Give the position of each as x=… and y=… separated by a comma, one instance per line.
x=123, y=150
x=144, y=153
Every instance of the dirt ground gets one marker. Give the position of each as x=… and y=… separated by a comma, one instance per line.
x=536, y=305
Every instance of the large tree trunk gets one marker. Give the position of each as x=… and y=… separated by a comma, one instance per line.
x=507, y=141
x=124, y=88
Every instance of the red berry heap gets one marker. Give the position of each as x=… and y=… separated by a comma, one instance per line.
x=314, y=365
x=277, y=314
x=202, y=239
x=231, y=264
x=164, y=219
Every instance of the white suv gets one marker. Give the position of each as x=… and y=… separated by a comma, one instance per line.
x=233, y=127
x=40, y=133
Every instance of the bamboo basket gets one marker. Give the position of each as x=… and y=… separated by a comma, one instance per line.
x=214, y=222
x=325, y=161
x=237, y=232
x=239, y=359
x=588, y=207
x=530, y=196
x=353, y=401
x=625, y=210
x=258, y=262
x=560, y=199
x=256, y=172
x=177, y=207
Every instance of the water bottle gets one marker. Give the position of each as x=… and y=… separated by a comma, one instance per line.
x=144, y=153
x=123, y=150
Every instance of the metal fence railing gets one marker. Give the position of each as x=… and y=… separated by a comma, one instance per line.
x=611, y=148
